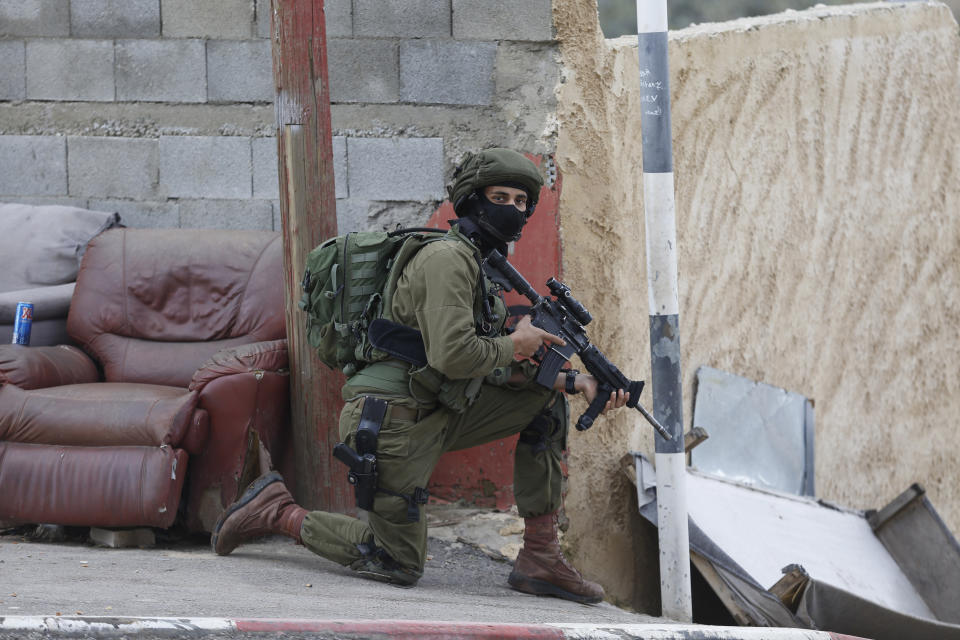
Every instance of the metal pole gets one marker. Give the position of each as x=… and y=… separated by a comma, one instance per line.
x=663, y=292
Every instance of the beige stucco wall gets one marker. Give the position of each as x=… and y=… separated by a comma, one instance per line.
x=816, y=158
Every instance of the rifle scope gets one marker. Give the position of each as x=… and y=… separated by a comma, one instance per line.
x=571, y=304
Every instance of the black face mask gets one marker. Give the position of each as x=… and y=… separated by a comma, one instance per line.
x=502, y=221
x=492, y=225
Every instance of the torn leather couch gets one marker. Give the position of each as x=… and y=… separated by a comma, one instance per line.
x=181, y=382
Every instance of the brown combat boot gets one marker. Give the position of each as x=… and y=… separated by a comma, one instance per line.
x=265, y=508
x=541, y=569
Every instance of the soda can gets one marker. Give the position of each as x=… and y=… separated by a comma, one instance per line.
x=22, y=323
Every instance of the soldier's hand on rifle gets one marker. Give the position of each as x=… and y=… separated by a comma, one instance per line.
x=588, y=385
x=528, y=338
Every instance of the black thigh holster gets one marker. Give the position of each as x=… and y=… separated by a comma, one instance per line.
x=362, y=463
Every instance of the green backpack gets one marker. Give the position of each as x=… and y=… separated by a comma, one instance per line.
x=348, y=283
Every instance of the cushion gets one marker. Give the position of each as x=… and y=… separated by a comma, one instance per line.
x=38, y=367
x=152, y=305
x=97, y=414
x=42, y=245
x=91, y=486
x=48, y=302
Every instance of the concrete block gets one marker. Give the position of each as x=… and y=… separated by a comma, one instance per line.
x=239, y=71
x=530, y=20
x=447, y=72
x=13, y=71
x=402, y=18
x=33, y=166
x=70, y=70
x=115, y=18
x=161, y=70
x=340, y=171
x=339, y=18
x=226, y=214
x=363, y=70
x=395, y=169
x=25, y=18
x=262, y=9
x=112, y=167
x=384, y=216
x=231, y=19
x=337, y=13
x=354, y=214
x=266, y=180
x=205, y=167
x=123, y=538
x=141, y=215
x=62, y=201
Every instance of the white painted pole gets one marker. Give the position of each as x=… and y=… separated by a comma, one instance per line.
x=664, y=298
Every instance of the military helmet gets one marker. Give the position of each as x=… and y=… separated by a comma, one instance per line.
x=496, y=166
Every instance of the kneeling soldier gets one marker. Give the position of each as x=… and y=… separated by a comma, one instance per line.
x=471, y=391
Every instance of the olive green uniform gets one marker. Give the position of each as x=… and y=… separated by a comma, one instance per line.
x=460, y=400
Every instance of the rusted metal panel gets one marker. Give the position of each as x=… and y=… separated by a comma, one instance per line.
x=484, y=475
x=308, y=215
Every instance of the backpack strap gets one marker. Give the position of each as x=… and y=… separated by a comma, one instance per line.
x=418, y=239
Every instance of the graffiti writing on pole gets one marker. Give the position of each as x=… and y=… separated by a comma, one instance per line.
x=651, y=96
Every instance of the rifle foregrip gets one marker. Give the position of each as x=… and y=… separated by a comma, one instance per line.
x=634, y=389
x=599, y=402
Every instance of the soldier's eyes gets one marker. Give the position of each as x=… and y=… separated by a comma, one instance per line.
x=500, y=198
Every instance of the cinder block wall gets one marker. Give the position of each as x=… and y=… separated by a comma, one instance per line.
x=162, y=110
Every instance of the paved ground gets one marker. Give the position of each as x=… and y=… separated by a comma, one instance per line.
x=180, y=590
x=465, y=581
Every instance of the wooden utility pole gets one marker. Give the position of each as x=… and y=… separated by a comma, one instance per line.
x=309, y=216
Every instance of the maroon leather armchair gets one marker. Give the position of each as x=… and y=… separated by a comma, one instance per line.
x=178, y=396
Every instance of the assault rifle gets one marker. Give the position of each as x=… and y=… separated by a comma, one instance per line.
x=564, y=316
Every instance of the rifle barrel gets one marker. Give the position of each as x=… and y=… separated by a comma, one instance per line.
x=653, y=422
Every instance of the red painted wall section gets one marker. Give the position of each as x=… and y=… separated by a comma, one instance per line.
x=483, y=475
